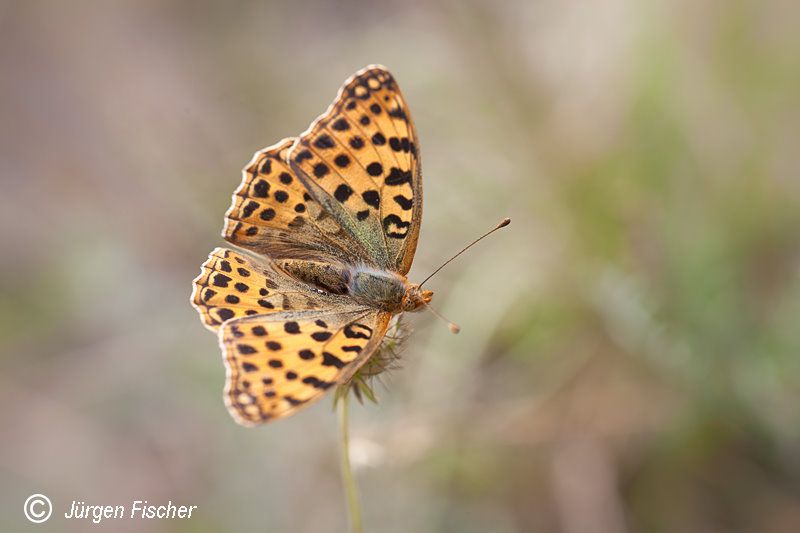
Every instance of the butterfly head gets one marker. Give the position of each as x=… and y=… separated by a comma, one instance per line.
x=415, y=297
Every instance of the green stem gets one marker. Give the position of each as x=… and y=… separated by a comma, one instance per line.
x=348, y=481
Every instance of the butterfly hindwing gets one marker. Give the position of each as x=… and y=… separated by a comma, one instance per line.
x=281, y=362
x=234, y=285
x=360, y=160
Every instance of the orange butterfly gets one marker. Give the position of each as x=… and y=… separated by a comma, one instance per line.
x=331, y=220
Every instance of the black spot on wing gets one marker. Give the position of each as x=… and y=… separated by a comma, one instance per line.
x=343, y=192
x=398, y=177
x=248, y=209
x=342, y=160
x=372, y=198
x=324, y=141
x=328, y=359
x=294, y=401
x=394, y=227
x=321, y=170
x=403, y=202
x=398, y=113
x=221, y=280
x=316, y=382
x=357, y=331
x=261, y=189
x=245, y=349
x=340, y=125
x=356, y=349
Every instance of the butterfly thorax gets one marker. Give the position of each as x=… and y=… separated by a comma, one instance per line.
x=371, y=287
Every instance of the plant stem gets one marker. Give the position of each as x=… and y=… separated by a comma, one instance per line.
x=348, y=481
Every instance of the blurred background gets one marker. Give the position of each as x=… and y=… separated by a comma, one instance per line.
x=629, y=353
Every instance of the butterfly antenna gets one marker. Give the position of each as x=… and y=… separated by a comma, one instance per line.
x=454, y=328
x=503, y=223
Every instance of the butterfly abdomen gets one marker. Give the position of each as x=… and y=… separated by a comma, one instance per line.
x=370, y=287
x=325, y=277
x=381, y=289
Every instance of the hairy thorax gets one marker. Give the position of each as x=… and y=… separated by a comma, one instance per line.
x=381, y=289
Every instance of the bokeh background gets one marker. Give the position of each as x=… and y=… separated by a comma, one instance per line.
x=629, y=354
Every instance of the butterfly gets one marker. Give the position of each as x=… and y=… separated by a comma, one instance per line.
x=326, y=225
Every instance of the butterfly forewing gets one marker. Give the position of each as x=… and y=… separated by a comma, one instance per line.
x=273, y=214
x=281, y=362
x=360, y=160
